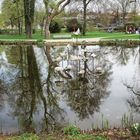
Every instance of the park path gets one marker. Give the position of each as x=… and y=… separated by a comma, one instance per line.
x=73, y=41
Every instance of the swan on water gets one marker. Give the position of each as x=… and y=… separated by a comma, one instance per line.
x=93, y=55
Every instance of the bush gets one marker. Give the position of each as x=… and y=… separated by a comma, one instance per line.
x=73, y=25
x=8, y=31
x=71, y=130
x=135, y=129
x=55, y=27
x=0, y=31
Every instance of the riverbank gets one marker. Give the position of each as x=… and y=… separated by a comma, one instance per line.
x=73, y=42
x=109, y=134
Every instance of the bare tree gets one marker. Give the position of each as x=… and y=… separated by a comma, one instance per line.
x=123, y=6
x=53, y=8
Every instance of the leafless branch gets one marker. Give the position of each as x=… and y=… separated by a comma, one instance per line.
x=59, y=4
x=132, y=90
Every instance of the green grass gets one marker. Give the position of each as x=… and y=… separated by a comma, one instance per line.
x=115, y=35
x=21, y=37
x=125, y=36
x=96, y=34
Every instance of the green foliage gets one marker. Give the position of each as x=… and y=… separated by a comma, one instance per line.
x=26, y=136
x=10, y=11
x=74, y=133
x=73, y=25
x=40, y=43
x=125, y=120
x=71, y=130
x=9, y=31
x=135, y=129
x=55, y=27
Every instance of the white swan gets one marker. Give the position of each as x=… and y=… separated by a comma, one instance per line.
x=77, y=32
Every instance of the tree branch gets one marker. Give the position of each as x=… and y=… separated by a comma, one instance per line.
x=132, y=90
x=57, y=10
x=88, y=2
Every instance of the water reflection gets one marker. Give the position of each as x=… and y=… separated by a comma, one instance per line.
x=85, y=80
x=26, y=98
x=89, y=81
x=133, y=87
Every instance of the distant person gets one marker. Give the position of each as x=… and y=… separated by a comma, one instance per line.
x=130, y=30
x=139, y=30
x=110, y=29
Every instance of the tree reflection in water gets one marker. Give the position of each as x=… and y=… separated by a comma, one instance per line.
x=2, y=91
x=27, y=98
x=134, y=87
x=82, y=79
x=122, y=54
x=89, y=85
x=134, y=102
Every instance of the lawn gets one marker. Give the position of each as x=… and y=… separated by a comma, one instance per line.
x=96, y=34
x=115, y=35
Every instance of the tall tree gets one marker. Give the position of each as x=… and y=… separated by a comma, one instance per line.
x=29, y=7
x=123, y=6
x=20, y=15
x=9, y=13
x=85, y=4
x=12, y=13
x=53, y=8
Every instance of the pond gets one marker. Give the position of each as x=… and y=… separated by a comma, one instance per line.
x=90, y=86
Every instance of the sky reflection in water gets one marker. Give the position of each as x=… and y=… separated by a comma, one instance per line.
x=88, y=87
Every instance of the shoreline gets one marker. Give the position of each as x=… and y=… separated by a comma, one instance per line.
x=107, y=134
x=73, y=42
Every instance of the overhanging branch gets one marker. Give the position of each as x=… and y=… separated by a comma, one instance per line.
x=132, y=90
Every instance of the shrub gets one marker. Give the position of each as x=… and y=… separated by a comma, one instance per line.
x=135, y=129
x=73, y=25
x=55, y=27
x=71, y=130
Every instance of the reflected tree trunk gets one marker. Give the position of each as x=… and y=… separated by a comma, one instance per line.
x=48, y=54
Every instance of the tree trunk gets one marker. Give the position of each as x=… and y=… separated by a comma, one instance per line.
x=47, y=26
x=84, y=17
x=28, y=28
x=29, y=16
x=42, y=26
x=47, y=36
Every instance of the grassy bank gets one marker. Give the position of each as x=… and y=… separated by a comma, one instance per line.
x=96, y=34
x=74, y=133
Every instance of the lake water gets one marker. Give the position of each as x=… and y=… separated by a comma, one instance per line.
x=90, y=87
